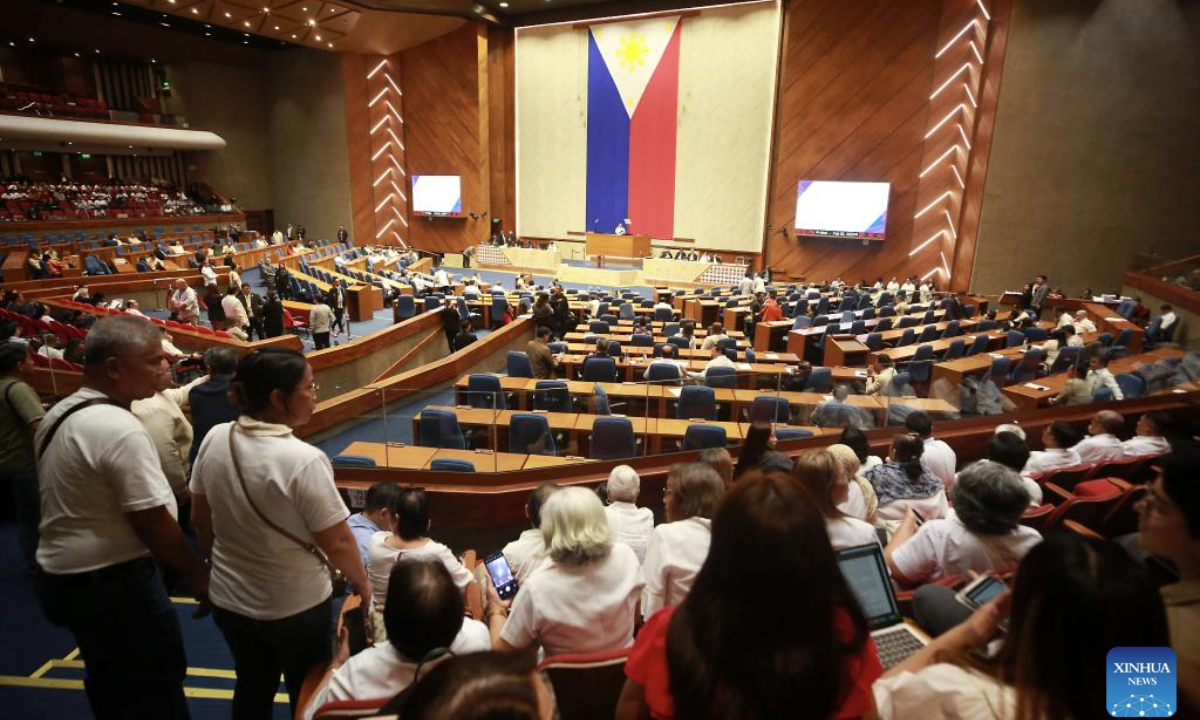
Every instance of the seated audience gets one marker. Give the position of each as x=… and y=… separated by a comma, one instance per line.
x=527, y=552
x=938, y=456
x=984, y=533
x=1058, y=437
x=904, y=483
x=423, y=614
x=1010, y=450
x=407, y=541
x=799, y=649
x=376, y=515
x=1073, y=600
x=1076, y=390
x=1102, y=443
x=825, y=478
x=716, y=333
x=879, y=376
x=860, y=501
x=1083, y=324
x=678, y=547
x=856, y=440
x=1149, y=440
x=718, y=359
x=478, y=686
x=837, y=412
x=582, y=600
x=1099, y=376
x=1169, y=524
x=630, y=524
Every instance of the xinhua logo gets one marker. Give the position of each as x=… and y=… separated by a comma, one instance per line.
x=1141, y=682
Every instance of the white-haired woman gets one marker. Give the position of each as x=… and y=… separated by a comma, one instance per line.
x=582, y=599
x=679, y=546
x=630, y=524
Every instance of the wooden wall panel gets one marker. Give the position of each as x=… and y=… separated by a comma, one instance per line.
x=358, y=142
x=502, y=147
x=853, y=103
x=446, y=130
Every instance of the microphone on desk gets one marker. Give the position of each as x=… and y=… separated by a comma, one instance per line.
x=596, y=225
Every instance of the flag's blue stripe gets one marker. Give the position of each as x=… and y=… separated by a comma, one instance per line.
x=607, y=147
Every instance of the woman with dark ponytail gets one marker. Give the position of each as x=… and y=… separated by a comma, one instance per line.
x=769, y=630
x=270, y=520
x=904, y=482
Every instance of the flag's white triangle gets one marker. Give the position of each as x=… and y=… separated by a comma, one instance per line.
x=631, y=51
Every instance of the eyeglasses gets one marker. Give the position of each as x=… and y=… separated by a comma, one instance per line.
x=314, y=386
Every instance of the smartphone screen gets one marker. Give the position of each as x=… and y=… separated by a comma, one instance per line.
x=502, y=577
x=985, y=591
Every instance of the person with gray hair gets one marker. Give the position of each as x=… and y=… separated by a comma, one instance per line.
x=108, y=521
x=209, y=401
x=679, y=546
x=583, y=598
x=1010, y=427
x=630, y=524
x=984, y=533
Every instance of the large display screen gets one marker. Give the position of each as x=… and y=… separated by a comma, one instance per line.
x=827, y=208
x=437, y=195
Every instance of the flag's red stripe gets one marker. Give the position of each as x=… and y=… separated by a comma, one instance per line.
x=652, y=148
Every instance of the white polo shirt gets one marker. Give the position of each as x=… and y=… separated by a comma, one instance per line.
x=942, y=548
x=848, y=532
x=674, y=556
x=100, y=465
x=381, y=558
x=1100, y=448
x=631, y=525
x=577, y=609
x=257, y=572
x=941, y=460
x=525, y=553
x=1143, y=445
x=1041, y=462
x=943, y=691
x=380, y=671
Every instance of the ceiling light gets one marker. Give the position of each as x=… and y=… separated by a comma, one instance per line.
x=503, y=4
x=116, y=14
x=97, y=51
x=304, y=9
x=246, y=23
x=318, y=38
x=11, y=43
x=228, y=15
x=293, y=37
x=195, y=11
x=311, y=22
x=245, y=42
x=266, y=9
x=330, y=44
x=207, y=34
x=171, y=1
x=276, y=27
x=153, y=60
x=76, y=54
x=164, y=25
x=30, y=39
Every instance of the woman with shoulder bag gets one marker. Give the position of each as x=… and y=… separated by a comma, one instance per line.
x=269, y=517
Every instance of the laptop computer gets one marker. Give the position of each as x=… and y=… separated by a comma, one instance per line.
x=867, y=575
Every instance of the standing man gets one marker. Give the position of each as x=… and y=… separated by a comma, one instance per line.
x=1038, y=293
x=320, y=323
x=272, y=315
x=254, y=309
x=108, y=520
x=337, y=303
x=342, y=235
x=209, y=401
x=182, y=303
x=235, y=311
x=20, y=414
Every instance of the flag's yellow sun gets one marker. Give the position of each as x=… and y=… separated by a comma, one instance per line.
x=633, y=51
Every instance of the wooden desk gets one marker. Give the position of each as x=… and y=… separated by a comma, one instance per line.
x=392, y=455
x=14, y=266
x=362, y=301
x=768, y=336
x=806, y=402
x=483, y=461
x=624, y=246
x=1025, y=396
x=845, y=350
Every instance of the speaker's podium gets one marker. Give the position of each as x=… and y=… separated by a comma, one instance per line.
x=601, y=245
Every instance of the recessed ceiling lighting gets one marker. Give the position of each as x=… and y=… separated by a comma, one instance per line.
x=70, y=143
x=245, y=42
x=11, y=43
x=503, y=4
x=318, y=38
x=207, y=34
x=195, y=11
x=304, y=9
x=276, y=27
x=246, y=34
x=266, y=9
x=171, y=1
x=311, y=22
x=166, y=25
x=228, y=15
x=97, y=51
x=31, y=40
x=330, y=44
x=153, y=60
x=116, y=14
x=76, y=54
x=246, y=23
x=293, y=37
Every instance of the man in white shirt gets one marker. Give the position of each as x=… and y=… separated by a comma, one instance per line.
x=760, y=283
x=719, y=359
x=320, y=323
x=1064, y=317
x=441, y=280
x=183, y=304
x=1166, y=321
x=668, y=359
x=1083, y=324
x=716, y=333
x=163, y=417
x=1099, y=376
x=108, y=520
x=420, y=595
x=746, y=284
x=1102, y=444
x=663, y=306
x=207, y=272
x=1149, y=439
x=1058, y=437
x=235, y=311
x=132, y=308
x=528, y=551
x=938, y=457
x=630, y=524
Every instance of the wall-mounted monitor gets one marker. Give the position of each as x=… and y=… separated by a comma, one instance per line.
x=437, y=195
x=856, y=210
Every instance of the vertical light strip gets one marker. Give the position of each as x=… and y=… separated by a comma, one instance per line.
x=945, y=265
x=970, y=96
x=386, y=147
x=982, y=9
x=964, y=136
x=958, y=177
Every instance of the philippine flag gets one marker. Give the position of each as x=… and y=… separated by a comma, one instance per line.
x=633, y=101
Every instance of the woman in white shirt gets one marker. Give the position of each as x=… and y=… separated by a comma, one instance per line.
x=904, y=483
x=679, y=546
x=1073, y=600
x=630, y=524
x=270, y=519
x=827, y=482
x=583, y=597
x=860, y=501
x=407, y=541
x=985, y=532
x=423, y=618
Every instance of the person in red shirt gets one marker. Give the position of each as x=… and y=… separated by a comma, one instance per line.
x=770, y=628
x=771, y=309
